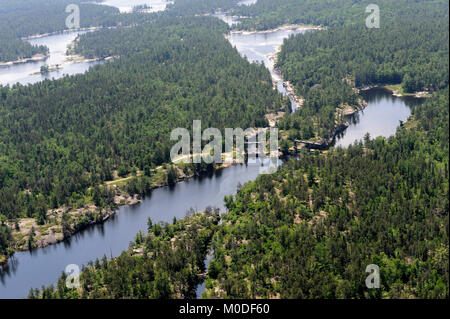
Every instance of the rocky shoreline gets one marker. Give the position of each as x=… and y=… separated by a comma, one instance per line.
x=41, y=35
x=53, y=232
x=420, y=94
x=298, y=100
x=35, y=58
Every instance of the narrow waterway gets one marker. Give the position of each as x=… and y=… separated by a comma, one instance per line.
x=261, y=47
x=29, y=72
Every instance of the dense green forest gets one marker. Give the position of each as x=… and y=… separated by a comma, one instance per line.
x=324, y=67
x=21, y=18
x=309, y=230
x=193, y=7
x=58, y=138
x=268, y=14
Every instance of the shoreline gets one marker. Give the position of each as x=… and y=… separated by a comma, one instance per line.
x=72, y=58
x=35, y=58
x=290, y=90
x=43, y=35
x=326, y=143
x=395, y=92
x=76, y=58
x=54, y=230
x=42, y=57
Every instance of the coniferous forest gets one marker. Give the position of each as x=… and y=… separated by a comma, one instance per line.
x=61, y=137
x=307, y=231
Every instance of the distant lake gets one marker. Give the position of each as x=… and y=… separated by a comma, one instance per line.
x=125, y=6
x=57, y=44
x=247, y=2
x=24, y=73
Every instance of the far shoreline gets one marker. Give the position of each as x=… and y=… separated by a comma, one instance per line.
x=280, y=28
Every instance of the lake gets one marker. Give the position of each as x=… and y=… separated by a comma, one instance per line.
x=57, y=44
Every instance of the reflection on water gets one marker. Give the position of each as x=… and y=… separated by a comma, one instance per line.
x=25, y=73
x=381, y=117
x=202, y=286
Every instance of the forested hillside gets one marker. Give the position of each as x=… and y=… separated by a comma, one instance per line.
x=309, y=230
x=324, y=67
x=268, y=14
x=58, y=138
x=193, y=7
x=21, y=18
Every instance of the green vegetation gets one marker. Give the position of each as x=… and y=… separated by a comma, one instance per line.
x=324, y=67
x=5, y=241
x=193, y=7
x=58, y=139
x=307, y=231
x=310, y=230
x=268, y=14
x=21, y=18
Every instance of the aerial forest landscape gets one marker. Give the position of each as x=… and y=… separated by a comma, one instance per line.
x=224, y=149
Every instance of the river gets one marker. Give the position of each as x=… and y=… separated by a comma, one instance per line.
x=43, y=266
x=260, y=47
